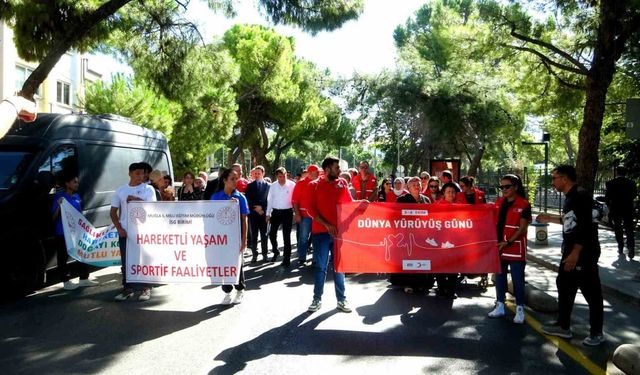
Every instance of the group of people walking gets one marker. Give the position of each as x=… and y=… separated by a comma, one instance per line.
x=311, y=203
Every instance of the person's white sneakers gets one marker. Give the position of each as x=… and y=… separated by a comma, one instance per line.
x=498, y=311
x=519, y=318
x=69, y=285
x=88, y=283
x=227, y=299
x=238, y=298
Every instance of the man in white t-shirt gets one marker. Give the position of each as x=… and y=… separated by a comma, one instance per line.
x=135, y=190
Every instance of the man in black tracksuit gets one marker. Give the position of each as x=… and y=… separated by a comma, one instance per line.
x=580, y=253
x=621, y=192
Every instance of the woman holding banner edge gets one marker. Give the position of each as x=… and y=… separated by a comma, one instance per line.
x=69, y=182
x=514, y=216
x=229, y=178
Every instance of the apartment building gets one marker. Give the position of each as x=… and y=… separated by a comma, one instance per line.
x=61, y=91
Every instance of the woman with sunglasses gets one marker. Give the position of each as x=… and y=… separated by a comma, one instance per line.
x=385, y=192
x=514, y=216
x=433, y=189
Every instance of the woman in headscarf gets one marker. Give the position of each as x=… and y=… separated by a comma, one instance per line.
x=399, y=187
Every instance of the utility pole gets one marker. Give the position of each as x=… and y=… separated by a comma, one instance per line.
x=546, y=138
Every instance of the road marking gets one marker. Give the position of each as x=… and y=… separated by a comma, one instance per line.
x=562, y=344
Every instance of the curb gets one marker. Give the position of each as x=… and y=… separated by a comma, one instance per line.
x=608, y=290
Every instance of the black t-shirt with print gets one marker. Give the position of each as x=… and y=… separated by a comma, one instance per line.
x=578, y=226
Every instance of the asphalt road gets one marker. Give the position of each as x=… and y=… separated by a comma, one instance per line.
x=184, y=330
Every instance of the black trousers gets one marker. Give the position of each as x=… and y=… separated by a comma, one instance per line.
x=240, y=285
x=623, y=222
x=587, y=279
x=63, y=257
x=258, y=225
x=284, y=218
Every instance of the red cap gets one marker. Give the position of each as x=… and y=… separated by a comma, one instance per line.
x=313, y=168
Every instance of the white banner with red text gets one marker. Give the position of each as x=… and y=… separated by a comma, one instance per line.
x=183, y=242
x=86, y=243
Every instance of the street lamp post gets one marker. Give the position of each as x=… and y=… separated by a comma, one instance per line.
x=546, y=138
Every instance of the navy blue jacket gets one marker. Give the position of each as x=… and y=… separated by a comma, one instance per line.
x=256, y=194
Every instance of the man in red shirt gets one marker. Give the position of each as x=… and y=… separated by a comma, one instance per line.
x=326, y=192
x=300, y=203
x=365, y=183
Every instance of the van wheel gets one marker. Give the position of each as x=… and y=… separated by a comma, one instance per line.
x=25, y=272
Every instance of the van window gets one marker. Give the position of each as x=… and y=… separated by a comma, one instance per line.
x=108, y=166
x=63, y=158
x=12, y=165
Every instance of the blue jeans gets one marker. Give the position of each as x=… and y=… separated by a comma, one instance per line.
x=304, y=229
x=322, y=245
x=517, y=277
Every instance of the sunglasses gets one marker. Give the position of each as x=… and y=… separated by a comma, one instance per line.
x=505, y=187
x=433, y=186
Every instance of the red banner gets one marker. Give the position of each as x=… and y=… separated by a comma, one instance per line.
x=415, y=238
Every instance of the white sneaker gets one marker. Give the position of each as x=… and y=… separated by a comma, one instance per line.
x=238, y=298
x=227, y=299
x=519, y=318
x=68, y=285
x=145, y=295
x=88, y=283
x=498, y=311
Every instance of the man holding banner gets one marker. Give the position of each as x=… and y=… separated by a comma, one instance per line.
x=135, y=190
x=327, y=192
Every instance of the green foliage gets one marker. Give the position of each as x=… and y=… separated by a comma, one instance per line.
x=39, y=25
x=448, y=99
x=279, y=97
x=312, y=15
x=133, y=100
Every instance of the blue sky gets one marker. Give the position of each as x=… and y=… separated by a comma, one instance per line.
x=364, y=45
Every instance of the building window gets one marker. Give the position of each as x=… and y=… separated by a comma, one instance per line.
x=63, y=93
x=22, y=73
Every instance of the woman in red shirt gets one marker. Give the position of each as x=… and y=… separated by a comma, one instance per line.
x=514, y=216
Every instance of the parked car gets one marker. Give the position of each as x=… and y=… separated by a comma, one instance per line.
x=98, y=148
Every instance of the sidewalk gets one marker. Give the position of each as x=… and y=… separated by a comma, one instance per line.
x=619, y=276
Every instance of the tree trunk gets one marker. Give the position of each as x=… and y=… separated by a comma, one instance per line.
x=84, y=25
x=598, y=80
x=571, y=154
x=475, y=162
